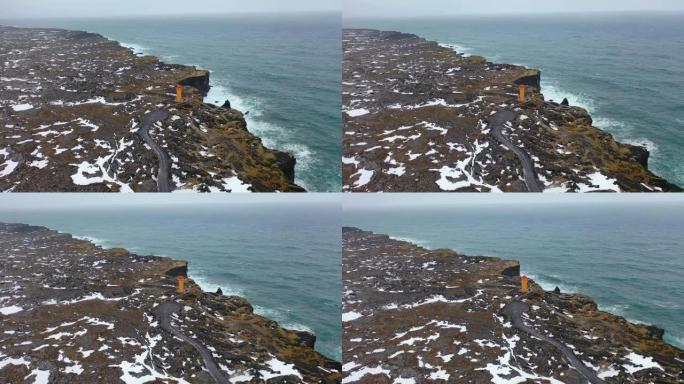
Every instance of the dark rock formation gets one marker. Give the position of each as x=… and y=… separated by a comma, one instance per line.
x=565, y=102
x=200, y=81
x=531, y=77
x=286, y=163
x=226, y=104
x=307, y=338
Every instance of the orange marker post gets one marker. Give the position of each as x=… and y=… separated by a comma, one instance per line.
x=523, y=284
x=179, y=93
x=181, y=284
x=521, y=93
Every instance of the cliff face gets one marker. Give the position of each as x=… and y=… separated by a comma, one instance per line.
x=433, y=316
x=73, y=312
x=75, y=109
x=419, y=117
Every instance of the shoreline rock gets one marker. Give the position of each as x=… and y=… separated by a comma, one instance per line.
x=82, y=313
x=421, y=314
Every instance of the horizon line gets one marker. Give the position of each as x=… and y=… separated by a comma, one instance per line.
x=499, y=14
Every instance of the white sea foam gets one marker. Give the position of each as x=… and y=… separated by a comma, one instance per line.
x=94, y=240
x=297, y=327
x=410, y=240
x=137, y=49
x=208, y=286
x=458, y=48
x=553, y=91
x=549, y=286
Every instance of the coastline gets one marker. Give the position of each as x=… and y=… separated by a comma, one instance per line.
x=549, y=287
x=244, y=163
x=150, y=281
x=205, y=285
x=217, y=93
x=274, y=134
x=570, y=153
x=460, y=291
x=553, y=91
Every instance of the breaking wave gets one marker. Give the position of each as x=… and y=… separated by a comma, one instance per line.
x=272, y=135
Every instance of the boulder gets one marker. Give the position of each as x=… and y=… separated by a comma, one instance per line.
x=639, y=154
x=226, y=104
x=306, y=338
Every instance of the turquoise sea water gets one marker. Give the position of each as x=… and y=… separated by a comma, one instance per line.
x=626, y=69
x=283, y=257
x=283, y=69
x=627, y=256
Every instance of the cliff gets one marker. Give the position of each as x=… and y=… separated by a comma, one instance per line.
x=420, y=117
x=81, y=113
x=74, y=312
x=430, y=316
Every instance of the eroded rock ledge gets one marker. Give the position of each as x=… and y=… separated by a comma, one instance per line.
x=71, y=110
x=418, y=117
x=72, y=312
x=435, y=316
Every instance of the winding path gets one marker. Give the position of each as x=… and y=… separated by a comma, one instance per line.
x=514, y=312
x=163, y=184
x=496, y=122
x=163, y=312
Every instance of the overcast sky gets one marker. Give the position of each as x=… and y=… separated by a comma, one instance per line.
x=407, y=8
x=371, y=201
x=109, y=8
x=32, y=201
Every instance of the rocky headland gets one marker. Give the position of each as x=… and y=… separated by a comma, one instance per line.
x=73, y=312
x=79, y=112
x=420, y=117
x=413, y=315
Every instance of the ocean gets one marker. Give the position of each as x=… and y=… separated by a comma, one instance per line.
x=284, y=69
x=624, y=68
x=284, y=257
x=625, y=254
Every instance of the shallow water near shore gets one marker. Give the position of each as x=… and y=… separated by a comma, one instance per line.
x=282, y=69
x=624, y=68
x=284, y=259
x=627, y=257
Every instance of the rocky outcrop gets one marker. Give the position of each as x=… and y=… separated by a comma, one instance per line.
x=416, y=315
x=531, y=77
x=72, y=105
x=199, y=81
x=72, y=312
x=420, y=117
